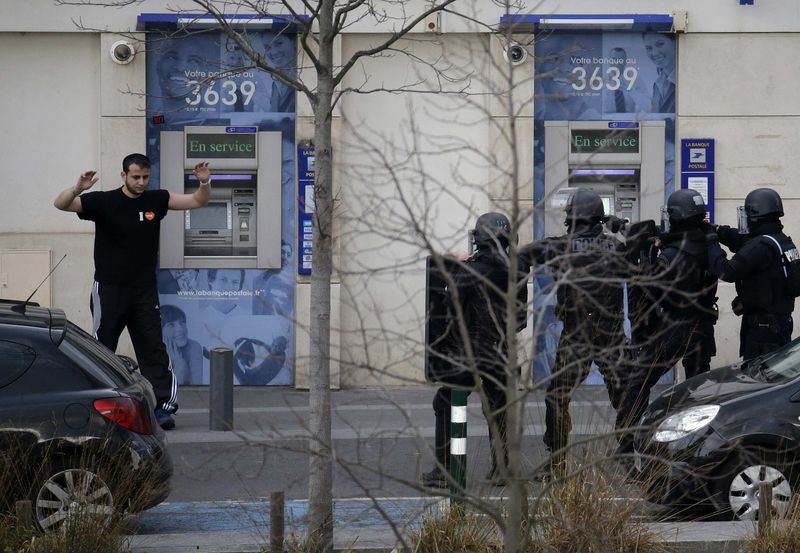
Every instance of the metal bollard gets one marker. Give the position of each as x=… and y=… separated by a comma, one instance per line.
x=764, y=507
x=276, y=516
x=220, y=413
x=458, y=442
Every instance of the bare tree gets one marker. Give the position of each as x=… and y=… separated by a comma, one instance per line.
x=319, y=22
x=404, y=216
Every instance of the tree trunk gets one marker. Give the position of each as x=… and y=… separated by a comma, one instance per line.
x=517, y=518
x=320, y=481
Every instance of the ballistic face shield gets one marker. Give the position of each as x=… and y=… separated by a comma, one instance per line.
x=741, y=217
x=665, y=226
x=759, y=204
x=682, y=205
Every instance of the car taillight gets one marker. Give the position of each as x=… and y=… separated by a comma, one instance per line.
x=126, y=412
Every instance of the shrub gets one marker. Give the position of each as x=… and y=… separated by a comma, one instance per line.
x=580, y=514
x=13, y=538
x=456, y=531
x=81, y=534
x=783, y=535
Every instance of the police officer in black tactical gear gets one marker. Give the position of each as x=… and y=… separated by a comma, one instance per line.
x=589, y=269
x=691, y=300
x=479, y=298
x=681, y=293
x=763, y=299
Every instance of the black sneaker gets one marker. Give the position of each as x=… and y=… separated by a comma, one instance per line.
x=544, y=474
x=550, y=471
x=164, y=419
x=434, y=479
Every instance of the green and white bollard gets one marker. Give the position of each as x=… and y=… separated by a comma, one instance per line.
x=458, y=442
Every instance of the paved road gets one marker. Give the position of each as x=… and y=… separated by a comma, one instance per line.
x=382, y=440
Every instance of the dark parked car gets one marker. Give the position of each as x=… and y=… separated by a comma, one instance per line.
x=77, y=427
x=712, y=440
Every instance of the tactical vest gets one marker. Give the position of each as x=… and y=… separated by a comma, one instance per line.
x=692, y=293
x=589, y=275
x=766, y=291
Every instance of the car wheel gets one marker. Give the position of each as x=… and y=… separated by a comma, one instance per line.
x=743, y=478
x=69, y=493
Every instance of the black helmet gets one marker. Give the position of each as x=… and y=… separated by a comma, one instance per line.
x=491, y=228
x=761, y=202
x=683, y=204
x=584, y=205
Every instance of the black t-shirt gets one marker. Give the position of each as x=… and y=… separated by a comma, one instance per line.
x=126, y=234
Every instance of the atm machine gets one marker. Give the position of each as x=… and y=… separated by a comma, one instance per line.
x=240, y=227
x=623, y=161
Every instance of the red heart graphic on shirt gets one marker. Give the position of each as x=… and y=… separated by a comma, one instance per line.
x=149, y=215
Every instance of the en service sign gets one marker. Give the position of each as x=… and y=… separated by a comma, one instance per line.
x=221, y=145
x=604, y=141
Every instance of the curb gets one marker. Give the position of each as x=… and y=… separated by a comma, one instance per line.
x=680, y=537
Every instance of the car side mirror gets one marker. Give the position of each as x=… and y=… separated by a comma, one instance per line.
x=130, y=363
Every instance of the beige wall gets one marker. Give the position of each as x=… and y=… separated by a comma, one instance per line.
x=72, y=111
x=52, y=137
x=725, y=16
x=416, y=171
x=68, y=108
x=739, y=90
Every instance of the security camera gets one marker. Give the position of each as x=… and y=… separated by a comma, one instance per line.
x=515, y=54
x=122, y=52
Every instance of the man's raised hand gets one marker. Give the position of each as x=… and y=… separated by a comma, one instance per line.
x=85, y=181
x=202, y=172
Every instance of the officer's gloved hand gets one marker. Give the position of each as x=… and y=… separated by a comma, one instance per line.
x=726, y=233
x=615, y=224
x=737, y=306
x=710, y=231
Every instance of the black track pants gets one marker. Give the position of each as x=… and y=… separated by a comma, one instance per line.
x=115, y=307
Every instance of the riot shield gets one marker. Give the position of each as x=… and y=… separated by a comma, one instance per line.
x=442, y=342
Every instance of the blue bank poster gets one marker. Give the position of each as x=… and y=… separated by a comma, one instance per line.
x=595, y=76
x=204, y=79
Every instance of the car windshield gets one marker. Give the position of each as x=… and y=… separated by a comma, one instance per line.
x=783, y=364
x=101, y=355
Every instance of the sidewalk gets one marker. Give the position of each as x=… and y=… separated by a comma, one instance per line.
x=688, y=537
x=233, y=525
x=377, y=536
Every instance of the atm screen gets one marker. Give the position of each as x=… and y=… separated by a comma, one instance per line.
x=213, y=216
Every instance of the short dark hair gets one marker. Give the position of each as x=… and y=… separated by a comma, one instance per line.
x=212, y=275
x=171, y=313
x=135, y=159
